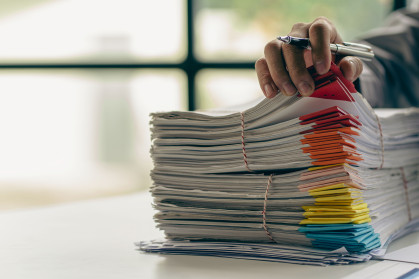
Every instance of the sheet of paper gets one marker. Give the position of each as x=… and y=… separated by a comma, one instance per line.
x=408, y=254
x=387, y=270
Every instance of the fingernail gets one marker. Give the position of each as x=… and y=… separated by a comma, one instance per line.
x=304, y=88
x=289, y=88
x=320, y=67
x=270, y=92
x=353, y=70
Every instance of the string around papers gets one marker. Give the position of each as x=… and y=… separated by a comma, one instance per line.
x=406, y=193
x=345, y=90
x=246, y=163
x=265, y=227
x=381, y=141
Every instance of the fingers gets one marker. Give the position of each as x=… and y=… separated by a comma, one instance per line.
x=284, y=65
x=277, y=69
x=294, y=59
x=266, y=83
x=351, y=67
x=321, y=34
x=300, y=77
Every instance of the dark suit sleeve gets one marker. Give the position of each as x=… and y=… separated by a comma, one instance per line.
x=392, y=78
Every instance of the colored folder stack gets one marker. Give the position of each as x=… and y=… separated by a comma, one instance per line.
x=325, y=172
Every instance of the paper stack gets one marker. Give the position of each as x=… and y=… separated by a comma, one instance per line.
x=325, y=171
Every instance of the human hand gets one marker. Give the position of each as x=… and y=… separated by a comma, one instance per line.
x=284, y=66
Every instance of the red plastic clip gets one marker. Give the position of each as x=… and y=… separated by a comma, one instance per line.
x=332, y=85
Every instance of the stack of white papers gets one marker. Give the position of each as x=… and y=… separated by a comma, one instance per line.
x=254, y=251
x=325, y=171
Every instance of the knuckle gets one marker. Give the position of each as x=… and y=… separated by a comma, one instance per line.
x=264, y=78
x=320, y=26
x=298, y=26
x=271, y=47
x=322, y=18
x=290, y=50
x=299, y=30
x=282, y=80
x=298, y=74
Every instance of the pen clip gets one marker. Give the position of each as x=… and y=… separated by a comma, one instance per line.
x=363, y=52
x=359, y=46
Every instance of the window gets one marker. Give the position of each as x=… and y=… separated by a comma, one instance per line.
x=74, y=111
x=93, y=31
x=78, y=79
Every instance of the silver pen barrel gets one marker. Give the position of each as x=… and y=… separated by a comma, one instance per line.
x=365, y=53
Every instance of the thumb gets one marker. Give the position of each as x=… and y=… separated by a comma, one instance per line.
x=351, y=67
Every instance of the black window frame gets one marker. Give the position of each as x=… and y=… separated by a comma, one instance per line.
x=190, y=65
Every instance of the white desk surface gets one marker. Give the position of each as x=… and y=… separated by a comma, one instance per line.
x=95, y=239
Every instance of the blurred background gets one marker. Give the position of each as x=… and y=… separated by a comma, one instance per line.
x=78, y=79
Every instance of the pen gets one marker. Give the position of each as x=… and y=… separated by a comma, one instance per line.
x=362, y=51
